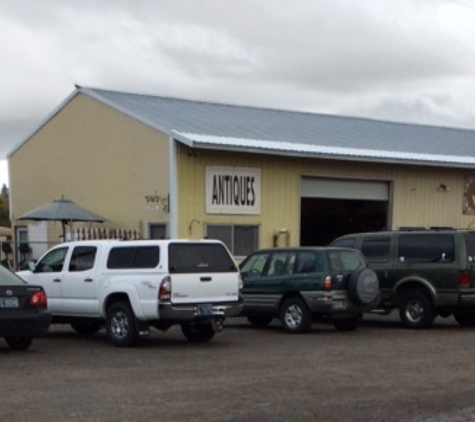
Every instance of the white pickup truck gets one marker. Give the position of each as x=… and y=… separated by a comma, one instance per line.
x=132, y=285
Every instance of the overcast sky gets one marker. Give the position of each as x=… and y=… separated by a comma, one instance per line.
x=405, y=60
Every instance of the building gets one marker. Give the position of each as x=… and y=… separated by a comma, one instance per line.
x=165, y=167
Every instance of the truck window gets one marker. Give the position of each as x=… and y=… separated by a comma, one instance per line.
x=425, y=248
x=199, y=258
x=376, y=249
x=127, y=257
x=52, y=262
x=82, y=258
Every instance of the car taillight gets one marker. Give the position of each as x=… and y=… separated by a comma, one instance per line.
x=165, y=290
x=38, y=299
x=327, y=283
x=464, y=278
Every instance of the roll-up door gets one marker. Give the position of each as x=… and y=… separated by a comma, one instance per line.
x=344, y=189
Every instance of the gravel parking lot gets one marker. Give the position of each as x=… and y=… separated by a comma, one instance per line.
x=381, y=372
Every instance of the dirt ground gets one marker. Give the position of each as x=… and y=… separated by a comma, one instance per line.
x=381, y=372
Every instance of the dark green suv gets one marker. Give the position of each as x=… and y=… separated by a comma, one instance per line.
x=423, y=273
x=302, y=285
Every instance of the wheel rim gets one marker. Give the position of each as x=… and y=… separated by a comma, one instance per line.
x=120, y=325
x=414, y=311
x=293, y=316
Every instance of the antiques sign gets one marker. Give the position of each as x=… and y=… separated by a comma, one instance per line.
x=469, y=195
x=231, y=190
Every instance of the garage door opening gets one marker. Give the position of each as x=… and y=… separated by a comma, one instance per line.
x=331, y=207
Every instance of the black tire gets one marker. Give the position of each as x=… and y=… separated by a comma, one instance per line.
x=348, y=324
x=198, y=333
x=416, y=309
x=363, y=286
x=260, y=320
x=19, y=343
x=86, y=326
x=120, y=325
x=295, y=316
x=466, y=318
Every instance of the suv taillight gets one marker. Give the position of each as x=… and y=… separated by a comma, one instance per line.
x=38, y=299
x=327, y=283
x=165, y=290
x=464, y=278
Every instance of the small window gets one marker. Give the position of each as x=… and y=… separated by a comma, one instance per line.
x=241, y=240
x=52, y=262
x=279, y=264
x=133, y=257
x=199, y=258
x=157, y=231
x=83, y=258
x=346, y=242
x=309, y=262
x=376, y=249
x=426, y=248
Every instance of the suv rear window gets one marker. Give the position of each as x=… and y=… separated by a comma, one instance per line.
x=199, y=258
x=345, y=260
x=425, y=248
x=470, y=244
x=133, y=257
x=376, y=249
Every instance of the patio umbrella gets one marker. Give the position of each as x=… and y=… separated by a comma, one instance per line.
x=63, y=210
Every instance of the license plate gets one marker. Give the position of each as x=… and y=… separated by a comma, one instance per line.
x=9, y=302
x=205, y=309
x=339, y=304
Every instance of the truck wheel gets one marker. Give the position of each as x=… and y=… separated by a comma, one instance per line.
x=416, y=310
x=86, y=327
x=198, y=333
x=19, y=343
x=348, y=324
x=295, y=316
x=465, y=318
x=120, y=325
x=260, y=320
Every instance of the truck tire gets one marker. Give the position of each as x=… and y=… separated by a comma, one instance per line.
x=363, y=286
x=416, y=309
x=120, y=325
x=295, y=316
x=198, y=333
x=19, y=343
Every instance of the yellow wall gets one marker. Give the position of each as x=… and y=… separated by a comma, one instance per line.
x=417, y=200
x=97, y=157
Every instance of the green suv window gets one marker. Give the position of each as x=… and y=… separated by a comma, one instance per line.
x=425, y=248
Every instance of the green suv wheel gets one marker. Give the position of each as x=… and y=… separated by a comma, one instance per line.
x=295, y=316
x=416, y=309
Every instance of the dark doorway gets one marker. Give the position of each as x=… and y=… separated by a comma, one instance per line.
x=322, y=220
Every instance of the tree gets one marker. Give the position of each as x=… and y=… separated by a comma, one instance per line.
x=4, y=207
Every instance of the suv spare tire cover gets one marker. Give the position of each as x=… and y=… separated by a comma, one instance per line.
x=363, y=286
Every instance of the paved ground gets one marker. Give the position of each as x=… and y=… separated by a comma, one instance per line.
x=381, y=372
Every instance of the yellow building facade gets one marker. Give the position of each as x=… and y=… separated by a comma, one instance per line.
x=149, y=179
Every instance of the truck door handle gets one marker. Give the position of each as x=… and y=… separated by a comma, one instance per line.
x=56, y=280
x=205, y=278
x=88, y=280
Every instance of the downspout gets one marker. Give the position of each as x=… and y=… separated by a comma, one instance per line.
x=173, y=184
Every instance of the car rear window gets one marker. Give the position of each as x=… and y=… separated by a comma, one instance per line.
x=470, y=244
x=426, y=248
x=7, y=278
x=199, y=258
x=124, y=257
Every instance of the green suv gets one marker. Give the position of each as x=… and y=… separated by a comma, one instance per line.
x=423, y=273
x=302, y=285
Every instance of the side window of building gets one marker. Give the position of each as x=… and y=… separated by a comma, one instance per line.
x=157, y=231
x=126, y=257
x=241, y=240
x=426, y=248
x=376, y=249
x=82, y=258
x=52, y=262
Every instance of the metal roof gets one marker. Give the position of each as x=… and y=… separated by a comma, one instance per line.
x=271, y=131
